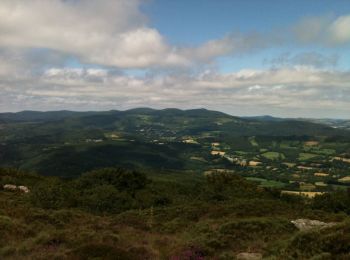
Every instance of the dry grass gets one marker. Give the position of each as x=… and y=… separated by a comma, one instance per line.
x=309, y=194
x=311, y=143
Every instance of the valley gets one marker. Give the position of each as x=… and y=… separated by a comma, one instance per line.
x=288, y=154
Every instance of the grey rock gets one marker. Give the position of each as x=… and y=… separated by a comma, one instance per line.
x=309, y=224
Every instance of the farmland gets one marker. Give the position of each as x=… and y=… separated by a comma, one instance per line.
x=295, y=155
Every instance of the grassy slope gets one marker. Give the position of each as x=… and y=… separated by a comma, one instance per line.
x=187, y=227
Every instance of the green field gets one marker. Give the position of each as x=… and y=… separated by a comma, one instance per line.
x=326, y=151
x=241, y=152
x=267, y=183
x=253, y=142
x=306, y=156
x=273, y=155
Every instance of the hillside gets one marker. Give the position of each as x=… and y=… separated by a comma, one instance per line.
x=65, y=143
x=119, y=214
x=193, y=184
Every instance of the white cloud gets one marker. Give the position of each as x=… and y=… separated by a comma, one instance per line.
x=340, y=30
x=327, y=30
x=38, y=37
x=116, y=33
x=286, y=91
x=104, y=32
x=107, y=32
x=312, y=58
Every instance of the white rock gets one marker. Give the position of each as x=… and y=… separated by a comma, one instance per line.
x=10, y=187
x=308, y=224
x=23, y=189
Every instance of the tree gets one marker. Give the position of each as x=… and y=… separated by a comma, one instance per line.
x=122, y=180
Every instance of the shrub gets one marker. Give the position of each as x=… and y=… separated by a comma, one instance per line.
x=317, y=244
x=106, y=198
x=52, y=194
x=338, y=201
x=122, y=180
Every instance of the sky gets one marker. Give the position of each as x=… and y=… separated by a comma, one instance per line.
x=286, y=58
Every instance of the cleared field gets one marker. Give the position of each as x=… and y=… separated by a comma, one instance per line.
x=289, y=164
x=345, y=179
x=321, y=174
x=241, y=152
x=309, y=194
x=195, y=158
x=311, y=143
x=307, y=187
x=254, y=163
x=321, y=184
x=221, y=153
x=347, y=160
x=224, y=120
x=273, y=155
x=253, y=142
x=267, y=183
x=325, y=151
x=190, y=141
x=285, y=145
x=113, y=135
x=306, y=156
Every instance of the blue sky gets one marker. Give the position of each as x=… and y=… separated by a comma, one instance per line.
x=195, y=21
x=283, y=58
x=192, y=22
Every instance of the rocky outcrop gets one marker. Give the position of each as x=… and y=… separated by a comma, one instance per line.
x=11, y=187
x=309, y=224
x=23, y=189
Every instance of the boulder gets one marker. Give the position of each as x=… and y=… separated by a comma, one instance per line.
x=309, y=224
x=10, y=187
x=23, y=189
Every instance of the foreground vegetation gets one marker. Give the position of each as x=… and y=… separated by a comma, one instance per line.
x=112, y=213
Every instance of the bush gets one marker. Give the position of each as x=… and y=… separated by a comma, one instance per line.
x=338, y=201
x=122, y=180
x=333, y=242
x=256, y=227
x=52, y=194
x=106, y=198
x=225, y=186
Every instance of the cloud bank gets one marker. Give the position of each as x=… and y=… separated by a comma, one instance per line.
x=110, y=37
x=105, y=32
x=243, y=92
